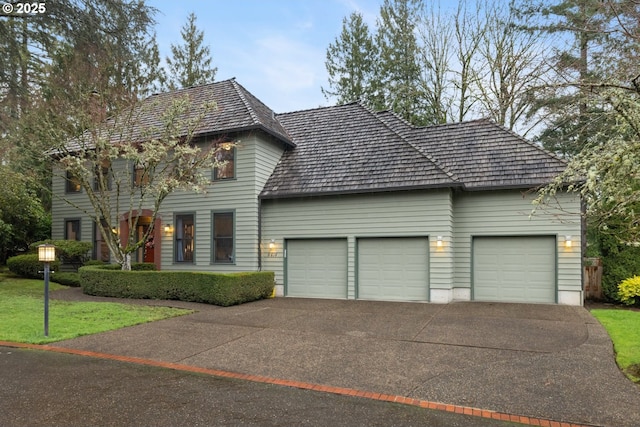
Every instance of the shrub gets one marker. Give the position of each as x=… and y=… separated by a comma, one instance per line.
x=73, y=252
x=211, y=288
x=135, y=266
x=629, y=290
x=28, y=266
x=618, y=266
x=619, y=261
x=66, y=279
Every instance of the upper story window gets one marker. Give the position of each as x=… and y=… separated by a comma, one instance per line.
x=140, y=175
x=73, y=184
x=226, y=155
x=102, y=172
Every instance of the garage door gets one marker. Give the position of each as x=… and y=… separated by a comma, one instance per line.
x=317, y=268
x=393, y=269
x=514, y=269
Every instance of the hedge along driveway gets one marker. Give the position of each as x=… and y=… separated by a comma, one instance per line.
x=211, y=288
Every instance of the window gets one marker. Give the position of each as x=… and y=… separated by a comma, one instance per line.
x=140, y=175
x=100, y=248
x=223, y=237
x=226, y=157
x=73, y=184
x=103, y=171
x=72, y=229
x=184, y=238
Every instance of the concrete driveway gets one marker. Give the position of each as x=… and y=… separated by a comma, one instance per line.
x=543, y=361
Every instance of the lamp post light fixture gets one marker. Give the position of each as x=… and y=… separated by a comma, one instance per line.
x=46, y=254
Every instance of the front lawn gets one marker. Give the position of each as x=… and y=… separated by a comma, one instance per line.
x=623, y=327
x=22, y=313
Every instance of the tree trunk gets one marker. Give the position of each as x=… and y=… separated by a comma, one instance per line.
x=126, y=264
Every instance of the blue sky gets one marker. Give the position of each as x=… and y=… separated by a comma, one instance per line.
x=275, y=48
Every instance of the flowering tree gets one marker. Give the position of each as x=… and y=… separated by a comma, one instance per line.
x=133, y=161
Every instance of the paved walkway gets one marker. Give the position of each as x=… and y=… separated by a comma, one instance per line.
x=528, y=363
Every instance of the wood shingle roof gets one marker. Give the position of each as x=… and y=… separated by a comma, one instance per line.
x=236, y=109
x=349, y=149
x=225, y=107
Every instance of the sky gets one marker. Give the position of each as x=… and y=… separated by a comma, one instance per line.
x=276, y=49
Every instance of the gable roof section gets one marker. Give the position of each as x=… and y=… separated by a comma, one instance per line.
x=347, y=149
x=236, y=110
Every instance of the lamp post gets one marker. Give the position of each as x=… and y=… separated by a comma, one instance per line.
x=46, y=254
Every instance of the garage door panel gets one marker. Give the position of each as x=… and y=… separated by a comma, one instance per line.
x=317, y=268
x=514, y=269
x=393, y=269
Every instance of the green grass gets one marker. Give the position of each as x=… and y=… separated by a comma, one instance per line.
x=623, y=327
x=22, y=313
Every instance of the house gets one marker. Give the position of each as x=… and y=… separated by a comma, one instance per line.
x=343, y=202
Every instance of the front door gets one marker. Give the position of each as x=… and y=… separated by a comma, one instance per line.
x=147, y=252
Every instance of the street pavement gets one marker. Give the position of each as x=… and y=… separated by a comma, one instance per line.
x=52, y=389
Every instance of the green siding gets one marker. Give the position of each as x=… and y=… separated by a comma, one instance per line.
x=509, y=213
x=256, y=156
x=397, y=214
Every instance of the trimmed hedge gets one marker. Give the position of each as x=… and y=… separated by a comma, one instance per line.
x=211, y=288
x=66, y=279
x=28, y=266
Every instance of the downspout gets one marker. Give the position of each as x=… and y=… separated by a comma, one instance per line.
x=259, y=234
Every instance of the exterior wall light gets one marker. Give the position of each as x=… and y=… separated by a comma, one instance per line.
x=439, y=243
x=567, y=242
x=272, y=244
x=168, y=228
x=46, y=254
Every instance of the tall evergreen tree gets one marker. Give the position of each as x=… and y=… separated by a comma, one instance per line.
x=351, y=62
x=572, y=109
x=190, y=64
x=58, y=61
x=399, y=70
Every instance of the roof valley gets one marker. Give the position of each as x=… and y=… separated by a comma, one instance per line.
x=410, y=130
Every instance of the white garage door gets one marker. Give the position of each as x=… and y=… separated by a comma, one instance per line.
x=393, y=269
x=317, y=268
x=514, y=269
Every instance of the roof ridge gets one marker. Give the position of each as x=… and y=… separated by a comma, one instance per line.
x=410, y=131
x=245, y=101
x=322, y=107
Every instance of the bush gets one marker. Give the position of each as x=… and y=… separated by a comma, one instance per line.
x=66, y=279
x=135, y=266
x=211, y=288
x=618, y=265
x=74, y=252
x=629, y=290
x=28, y=266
